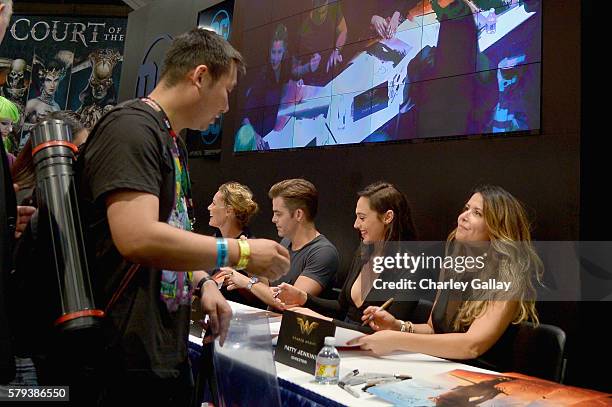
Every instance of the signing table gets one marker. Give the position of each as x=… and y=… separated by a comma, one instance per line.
x=414, y=364
x=298, y=387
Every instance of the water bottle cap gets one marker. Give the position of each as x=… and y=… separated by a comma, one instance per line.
x=330, y=341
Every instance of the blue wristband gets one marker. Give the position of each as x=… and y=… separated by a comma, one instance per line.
x=221, y=252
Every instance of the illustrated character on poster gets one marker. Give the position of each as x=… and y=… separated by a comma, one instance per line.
x=17, y=81
x=99, y=95
x=50, y=75
x=472, y=395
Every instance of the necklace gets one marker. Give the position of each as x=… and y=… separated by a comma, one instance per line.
x=46, y=98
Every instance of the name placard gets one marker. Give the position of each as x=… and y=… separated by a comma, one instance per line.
x=300, y=339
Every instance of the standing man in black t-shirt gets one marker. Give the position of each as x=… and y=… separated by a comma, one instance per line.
x=135, y=199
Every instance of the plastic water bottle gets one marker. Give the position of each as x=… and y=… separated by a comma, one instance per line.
x=328, y=363
x=491, y=22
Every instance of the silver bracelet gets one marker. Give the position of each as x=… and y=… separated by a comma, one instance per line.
x=406, y=326
x=402, y=326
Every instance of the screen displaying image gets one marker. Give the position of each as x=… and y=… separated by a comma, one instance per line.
x=362, y=71
x=207, y=143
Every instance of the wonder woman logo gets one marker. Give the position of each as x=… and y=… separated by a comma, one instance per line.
x=305, y=327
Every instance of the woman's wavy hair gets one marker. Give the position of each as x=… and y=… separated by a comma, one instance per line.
x=240, y=198
x=513, y=257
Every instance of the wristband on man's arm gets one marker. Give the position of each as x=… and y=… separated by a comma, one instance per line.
x=198, y=290
x=245, y=254
x=222, y=252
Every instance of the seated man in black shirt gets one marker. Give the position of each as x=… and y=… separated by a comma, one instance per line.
x=314, y=259
x=135, y=200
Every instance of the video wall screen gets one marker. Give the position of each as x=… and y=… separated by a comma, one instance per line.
x=324, y=72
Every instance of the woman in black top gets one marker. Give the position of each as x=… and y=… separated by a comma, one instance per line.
x=383, y=218
x=466, y=323
x=231, y=211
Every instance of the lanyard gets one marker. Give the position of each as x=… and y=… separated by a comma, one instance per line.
x=165, y=119
x=186, y=183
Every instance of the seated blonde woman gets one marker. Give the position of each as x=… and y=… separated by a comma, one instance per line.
x=466, y=324
x=231, y=211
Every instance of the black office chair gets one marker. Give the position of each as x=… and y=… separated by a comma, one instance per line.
x=537, y=351
x=540, y=351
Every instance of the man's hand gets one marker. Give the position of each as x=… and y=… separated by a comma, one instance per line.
x=393, y=24
x=315, y=60
x=334, y=59
x=260, y=143
x=24, y=214
x=218, y=310
x=380, y=25
x=268, y=259
x=233, y=279
x=288, y=296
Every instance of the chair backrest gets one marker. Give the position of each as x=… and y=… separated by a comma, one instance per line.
x=422, y=311
x=539, y=351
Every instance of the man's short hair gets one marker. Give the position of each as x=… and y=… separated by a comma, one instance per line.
x=297, y=194
x=200, y=47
